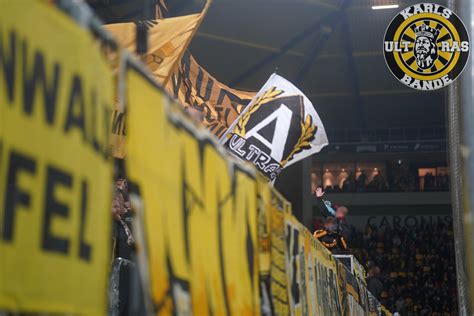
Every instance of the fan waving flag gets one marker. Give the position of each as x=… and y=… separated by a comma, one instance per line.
x=278, y=128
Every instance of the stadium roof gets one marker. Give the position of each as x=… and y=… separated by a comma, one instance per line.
x=334, y=55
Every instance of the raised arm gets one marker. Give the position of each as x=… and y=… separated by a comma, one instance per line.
x=324, y=207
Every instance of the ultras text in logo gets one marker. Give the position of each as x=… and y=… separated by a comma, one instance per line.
x=426, y=46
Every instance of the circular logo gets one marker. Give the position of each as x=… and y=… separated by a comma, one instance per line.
x=426, y=46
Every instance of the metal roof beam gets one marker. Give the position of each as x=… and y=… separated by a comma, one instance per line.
x=358, y=104
x=315, y=26
x=325, y=33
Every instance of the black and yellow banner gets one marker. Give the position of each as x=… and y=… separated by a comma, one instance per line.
x=199, y=210
x=278, y=280
x=194, y=87
x=55, y=178
x=312, y=273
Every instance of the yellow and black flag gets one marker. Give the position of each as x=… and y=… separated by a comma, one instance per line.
x=167, y=42
x=194, y=87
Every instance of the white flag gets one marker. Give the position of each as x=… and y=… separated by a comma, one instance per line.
x=278, y=128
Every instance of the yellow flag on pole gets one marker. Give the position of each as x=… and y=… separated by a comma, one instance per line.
x=167, y=40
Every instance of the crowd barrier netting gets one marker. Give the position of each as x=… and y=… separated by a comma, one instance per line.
x=213, y=237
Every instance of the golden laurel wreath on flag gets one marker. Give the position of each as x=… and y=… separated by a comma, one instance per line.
x=266, y=97
x=308, y=130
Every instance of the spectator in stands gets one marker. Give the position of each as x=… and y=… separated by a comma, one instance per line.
x=361, y=181
x=400, y=305
x=374, y=285
x=379, y=182
x=442, y=182
x=326, y=208
x=429, y=181
x=439, y=181
x=350, y=183
x=123, y=243
x=339, y=212
x=402, y=179
x=122, y=213
x=330, y=236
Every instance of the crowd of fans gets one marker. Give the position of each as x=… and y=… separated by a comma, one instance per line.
x=411, y=271
x=403, y=181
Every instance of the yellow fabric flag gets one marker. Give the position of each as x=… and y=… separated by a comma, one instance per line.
x=167, y=41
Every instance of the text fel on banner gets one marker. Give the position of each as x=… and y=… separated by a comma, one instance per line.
x=55, y=178
x=200, y=209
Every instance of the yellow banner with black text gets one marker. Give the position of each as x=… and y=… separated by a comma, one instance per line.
x=55, y=177
x=199, y=210
x=314, y=287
